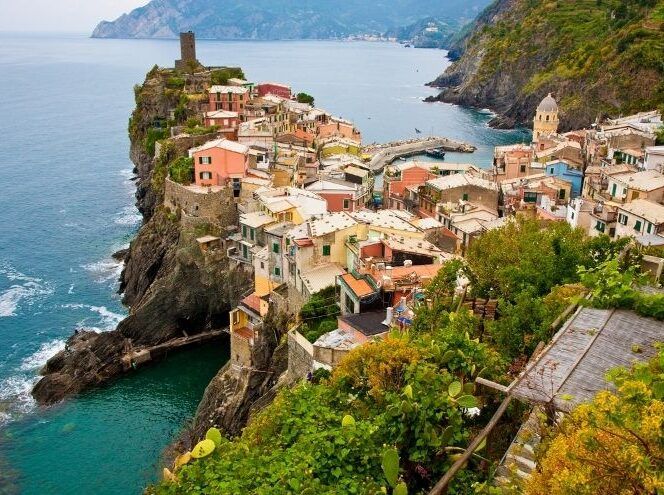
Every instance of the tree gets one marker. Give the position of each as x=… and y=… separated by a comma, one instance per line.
x=305, y=98
x=221, y=76
x=181, y=170
x=614, y=444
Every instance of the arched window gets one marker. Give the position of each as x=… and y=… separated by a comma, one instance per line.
x=540, y=117
x=547, y=118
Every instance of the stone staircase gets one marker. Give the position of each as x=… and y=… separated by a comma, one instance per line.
x=519, y=460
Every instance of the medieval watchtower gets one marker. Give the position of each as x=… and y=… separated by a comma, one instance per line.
x=187, y=51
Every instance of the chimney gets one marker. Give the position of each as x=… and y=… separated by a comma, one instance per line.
x=388, y=317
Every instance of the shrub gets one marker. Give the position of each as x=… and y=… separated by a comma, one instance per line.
x=182, y=170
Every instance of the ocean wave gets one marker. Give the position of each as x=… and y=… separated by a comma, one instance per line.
x=105, y=270
x=15, y=397
x=105, y=321
x=45, y=352
x=17, y=294
x=129, y=216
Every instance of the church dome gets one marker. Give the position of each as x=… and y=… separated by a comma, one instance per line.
x=548, y=104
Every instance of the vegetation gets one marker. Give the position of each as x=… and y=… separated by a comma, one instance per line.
x=394, y=414
x=181, y=170
x=319, y=314
x=305, y=98
x=406, y=392
x=597, y=56
x=614, y=444
x=222, y=76
x=153, y=135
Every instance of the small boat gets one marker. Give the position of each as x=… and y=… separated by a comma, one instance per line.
x=435, y=153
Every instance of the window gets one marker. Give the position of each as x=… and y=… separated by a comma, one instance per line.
x=326, y=250
x=523, y=169
x=649, y=227
x=244, y=231
x=205, y=175
x=465, y=197
x=262, y=265
x=622, y=219
x=277, y=271
x=561, y=194
x=637, y=226
x=599, y=226
x=236, y=317
x=287, y=241
x=551, y=170
x=346, y=204
x=530, y=197
x=252, y=233
x=613, y=190
x=204, y=160
x=275, y=247
x=572, y=215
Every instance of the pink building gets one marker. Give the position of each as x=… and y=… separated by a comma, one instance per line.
x=218, y=162
x=399, y=177
x=272, y=88
x=229, y=98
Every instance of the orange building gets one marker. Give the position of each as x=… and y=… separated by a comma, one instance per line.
x=398, y=178
x=218, y=162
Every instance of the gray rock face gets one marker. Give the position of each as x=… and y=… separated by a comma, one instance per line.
x=280, y=19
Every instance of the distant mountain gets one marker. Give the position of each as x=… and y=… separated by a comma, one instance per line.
x=597, y=57
x=282, y=19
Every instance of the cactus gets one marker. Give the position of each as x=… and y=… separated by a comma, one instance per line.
x=203, y=449
x=215, y=435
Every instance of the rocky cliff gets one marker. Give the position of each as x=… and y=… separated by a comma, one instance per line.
x=280, y=19
x=172, y=288
x=596, y=57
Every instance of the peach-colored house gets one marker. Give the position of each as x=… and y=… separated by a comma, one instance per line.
x=223, y=119
x=511, y=162
x=229, y=98
x=338, y=127
x=218, y=162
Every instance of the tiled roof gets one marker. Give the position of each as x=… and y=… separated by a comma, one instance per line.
x=253, y=302
x=229, y=89
x=223, y=144
x=360, y=287
x=461, y=180
x=332, y=222
x=651, y=211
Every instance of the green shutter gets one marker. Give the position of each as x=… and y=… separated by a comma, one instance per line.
x=637, y=225
x=244, y=231
x=277, y=271
x=326, y=250
x=275, y=248
x=465, y=197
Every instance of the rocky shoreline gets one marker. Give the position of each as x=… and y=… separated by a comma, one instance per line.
x=170, y=286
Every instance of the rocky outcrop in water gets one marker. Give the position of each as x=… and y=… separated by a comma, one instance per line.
x=594, y=60
x=173, y=289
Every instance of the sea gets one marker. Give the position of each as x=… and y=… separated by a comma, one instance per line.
x=67, y=203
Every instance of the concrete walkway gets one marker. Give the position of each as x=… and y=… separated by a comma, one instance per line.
x=388, y=154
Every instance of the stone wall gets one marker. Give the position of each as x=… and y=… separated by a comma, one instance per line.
x=240, y=350
x=300, y=356
x=216, y=206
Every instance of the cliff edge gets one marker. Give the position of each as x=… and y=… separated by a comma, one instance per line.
x=596, y=58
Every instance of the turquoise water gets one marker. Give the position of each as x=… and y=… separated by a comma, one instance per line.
x=67, y=204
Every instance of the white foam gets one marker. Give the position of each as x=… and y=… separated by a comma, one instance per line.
x=105, y=270
x=15, y=391
x=129, y=216
x=105, y=321
x=16, y=295
x=45, y=352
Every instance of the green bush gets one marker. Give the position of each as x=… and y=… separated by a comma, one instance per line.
x=182, y=170
x=305, y=98
x=221, y=76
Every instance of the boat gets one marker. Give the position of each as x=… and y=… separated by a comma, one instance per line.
x=435, y=153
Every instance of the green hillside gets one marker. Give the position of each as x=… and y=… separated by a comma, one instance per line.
x=596, y=56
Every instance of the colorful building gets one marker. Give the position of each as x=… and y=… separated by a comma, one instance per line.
x=218, y=162
x=229, y=98
x=341, y=195
x=273, y=88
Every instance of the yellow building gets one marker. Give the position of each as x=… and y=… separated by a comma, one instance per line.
x=546, y=118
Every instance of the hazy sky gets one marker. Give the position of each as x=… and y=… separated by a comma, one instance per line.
x=61, y=15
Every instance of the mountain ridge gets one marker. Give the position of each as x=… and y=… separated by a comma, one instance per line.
x=281, y=19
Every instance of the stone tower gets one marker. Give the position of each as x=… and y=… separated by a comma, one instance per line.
x=546, y=118
x=187, y=51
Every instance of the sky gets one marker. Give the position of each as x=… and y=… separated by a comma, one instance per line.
x=75, y=16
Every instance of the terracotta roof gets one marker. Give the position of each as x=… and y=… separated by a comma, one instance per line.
x=304, y=242
x=252, y=301
x=360, y=287
x=244, y=332
x=419, y=270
